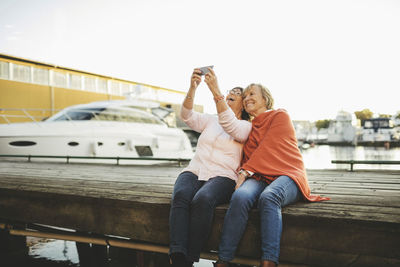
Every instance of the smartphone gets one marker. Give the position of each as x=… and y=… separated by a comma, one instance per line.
x=205, y=70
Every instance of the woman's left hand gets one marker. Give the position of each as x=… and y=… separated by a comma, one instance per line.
x=211, y=80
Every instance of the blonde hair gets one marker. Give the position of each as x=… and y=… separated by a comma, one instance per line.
x=266, y=94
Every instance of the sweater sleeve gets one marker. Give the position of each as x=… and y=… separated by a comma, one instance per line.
x=195, y=120
x=238, y=129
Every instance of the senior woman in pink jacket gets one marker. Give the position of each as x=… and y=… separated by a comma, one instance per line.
x=209, y=179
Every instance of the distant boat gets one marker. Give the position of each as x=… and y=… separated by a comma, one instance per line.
x=342, y=130
x=121, y=128
x=378, y=131
x=302, y=129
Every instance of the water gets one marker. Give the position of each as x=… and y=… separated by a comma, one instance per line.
x=58, y=253
x=55, y=250
x=320, y=157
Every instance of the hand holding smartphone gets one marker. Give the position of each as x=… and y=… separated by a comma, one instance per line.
x=204, y=70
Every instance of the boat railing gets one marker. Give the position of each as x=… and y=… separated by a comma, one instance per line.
x=117, y=159
x=107, y=115
x=10, y=115
x=372, y=162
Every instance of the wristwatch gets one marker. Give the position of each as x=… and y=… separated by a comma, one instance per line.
x=244, y=172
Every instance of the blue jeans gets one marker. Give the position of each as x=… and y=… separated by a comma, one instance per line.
x=271, y=198
x=192, y=211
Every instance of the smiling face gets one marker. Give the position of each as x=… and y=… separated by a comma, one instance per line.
x=234, y=100
x=254, y=102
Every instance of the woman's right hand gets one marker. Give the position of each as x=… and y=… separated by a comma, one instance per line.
x=211, y=80
x=240, y=180
x=195, y=79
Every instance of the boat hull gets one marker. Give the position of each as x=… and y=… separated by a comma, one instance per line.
x=94, y=139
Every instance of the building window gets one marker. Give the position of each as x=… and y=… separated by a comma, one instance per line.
x=60, y=79
x=102, y=85
x=75, y=81
x=143, y=91
x=115, y=88
x=40, y=76
x=90, y=84
x=21, y=73
x=4, y=70
x=125, y=89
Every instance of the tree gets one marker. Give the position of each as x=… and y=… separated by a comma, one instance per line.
x=322, y=124
x=385, y=116
x=363, y=115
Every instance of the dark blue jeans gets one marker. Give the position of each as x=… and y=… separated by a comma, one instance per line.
x=192, y=211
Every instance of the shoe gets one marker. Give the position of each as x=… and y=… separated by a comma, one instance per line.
x=179, y=260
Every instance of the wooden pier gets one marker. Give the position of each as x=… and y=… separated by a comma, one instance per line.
x=360, y=226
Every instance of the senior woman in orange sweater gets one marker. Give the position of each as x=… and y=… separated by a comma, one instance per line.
x=272, y=172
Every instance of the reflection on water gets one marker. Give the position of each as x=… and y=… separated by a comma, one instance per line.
x=55, y=250
x=320, y=157
x=59, y=253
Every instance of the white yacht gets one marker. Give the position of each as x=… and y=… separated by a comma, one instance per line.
x=124, y=128
x=343, y=130
x=378, y=130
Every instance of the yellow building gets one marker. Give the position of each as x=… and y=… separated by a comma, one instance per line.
x=38, y=90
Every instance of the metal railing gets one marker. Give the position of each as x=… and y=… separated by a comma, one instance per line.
x=42, y=231
x=97, y=114
x=26, y=114
x=29, y=157
x=372, y=162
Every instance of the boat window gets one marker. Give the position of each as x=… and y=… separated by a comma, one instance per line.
x=126, y=115
x=161, y=112
x=22, y=143
x=144, y=151
x=379, y=123
x=383, y=124
x=368, y=124
x=79, y=114
x=73, y=143
x=107, y=114
x=165, y=114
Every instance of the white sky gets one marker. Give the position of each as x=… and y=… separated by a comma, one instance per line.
x=317, y=57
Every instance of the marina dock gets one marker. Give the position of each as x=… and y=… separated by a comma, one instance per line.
x=359, y=226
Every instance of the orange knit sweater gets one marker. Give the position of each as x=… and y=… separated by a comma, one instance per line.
x=271, y=150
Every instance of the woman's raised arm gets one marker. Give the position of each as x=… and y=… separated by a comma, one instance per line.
x=238, y=129
x=194, y=120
